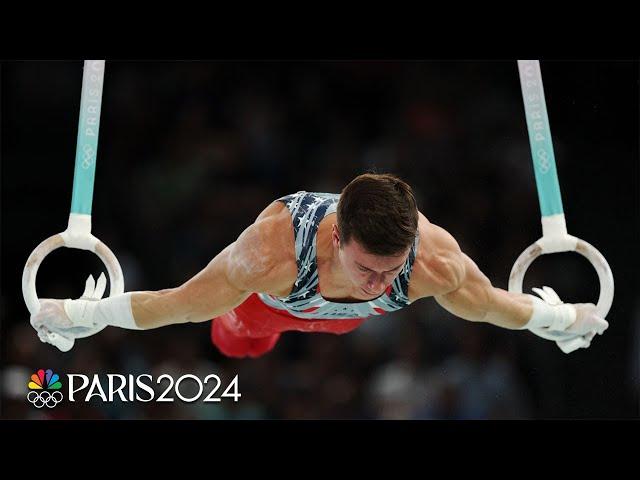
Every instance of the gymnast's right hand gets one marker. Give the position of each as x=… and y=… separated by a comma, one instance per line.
x=49, y=309
x=53, y=315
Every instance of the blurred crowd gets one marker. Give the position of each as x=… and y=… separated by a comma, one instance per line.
x=191, y=152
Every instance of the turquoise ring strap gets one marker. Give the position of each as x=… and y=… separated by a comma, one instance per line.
x=544, y=162
x=88, y=128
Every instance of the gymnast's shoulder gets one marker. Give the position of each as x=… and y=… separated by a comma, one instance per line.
x=264, y=254
x=439, y=266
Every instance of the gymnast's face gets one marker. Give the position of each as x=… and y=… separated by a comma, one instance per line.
x=370, y=273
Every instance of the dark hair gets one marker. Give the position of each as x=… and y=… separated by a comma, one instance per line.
x=380, y=212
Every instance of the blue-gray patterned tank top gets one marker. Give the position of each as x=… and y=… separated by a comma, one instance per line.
x=305, y=301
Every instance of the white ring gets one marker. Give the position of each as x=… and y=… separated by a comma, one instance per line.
x=588, y=251
x=31, y=270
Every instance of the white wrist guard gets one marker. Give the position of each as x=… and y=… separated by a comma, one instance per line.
x=549, y=316
x=115, y=311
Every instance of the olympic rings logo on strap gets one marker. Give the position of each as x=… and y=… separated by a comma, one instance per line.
x=88, y=156
x=40, y=399
x=543, y=160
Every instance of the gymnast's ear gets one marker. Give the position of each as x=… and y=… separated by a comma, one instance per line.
x=335, y=236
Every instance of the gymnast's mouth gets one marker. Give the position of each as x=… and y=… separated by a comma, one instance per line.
x=370, y=294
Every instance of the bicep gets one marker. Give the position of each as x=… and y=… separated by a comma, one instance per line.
x=255, y=262
x=260, y=260
x=203, y=297
x=214, y=290
x=471, y=298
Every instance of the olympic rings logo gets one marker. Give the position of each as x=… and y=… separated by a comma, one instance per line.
x=543, y=161
x=40, y=399
x=87, y=161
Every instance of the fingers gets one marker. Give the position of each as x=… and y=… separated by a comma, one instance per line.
x=100, y=287
x=601, y=325
x=540, y=293
x=552, y=295
x=42, y=335
x=571, y=345
x=89, y=287
x=594, y=323
x=93, y=290
x=548, y=295
x=568, y=346
x=62, y=343
x=588, y=320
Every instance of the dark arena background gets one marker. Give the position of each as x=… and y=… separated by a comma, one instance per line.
x=190, y=152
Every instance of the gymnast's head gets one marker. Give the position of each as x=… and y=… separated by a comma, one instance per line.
x=377, y=225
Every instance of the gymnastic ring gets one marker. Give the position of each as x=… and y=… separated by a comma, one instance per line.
x=585, y=249
x=70, y=238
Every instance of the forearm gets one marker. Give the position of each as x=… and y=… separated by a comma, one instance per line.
x=146, y=310
x=156, y=309
x=181, y=305
x=519, y=311
x=484, y=303
x=509, y=310
x=515, y=311
x=130, y=310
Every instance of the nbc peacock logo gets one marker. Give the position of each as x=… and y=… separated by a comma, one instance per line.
x=44, y=389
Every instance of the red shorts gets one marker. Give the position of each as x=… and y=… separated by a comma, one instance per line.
x=253, y=328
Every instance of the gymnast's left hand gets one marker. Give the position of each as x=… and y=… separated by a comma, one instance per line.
x=587, y=324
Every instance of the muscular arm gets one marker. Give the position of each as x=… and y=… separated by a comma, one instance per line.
x=258, y=261
x=443, y=271
x=262, y=259
x=210, y=293
x=476, y=300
